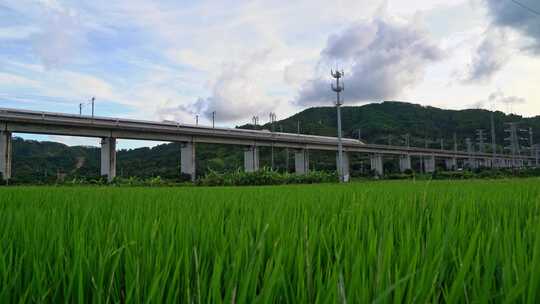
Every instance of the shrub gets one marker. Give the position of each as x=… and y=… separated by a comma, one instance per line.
x=264, y=177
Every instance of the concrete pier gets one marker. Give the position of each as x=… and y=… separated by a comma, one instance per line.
x=429, y=164
x=450, y=164
x=108, y=158
x=473, y=163
x=377, y=164
x=251, y=159
x=301, y=161
x=188, y=160
x=346, y=166
x=404, y=163
x=5, y=154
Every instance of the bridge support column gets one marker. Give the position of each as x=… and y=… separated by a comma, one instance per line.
x=346, y=166
x=450, y=164
x=429, y=164
x=472, y=163
x=5, y=154
x=188, y=160
x=251, y=159
x=377, y=164
x=301, y=161
x=484, y=163
x=108, y=158
x=404, y=163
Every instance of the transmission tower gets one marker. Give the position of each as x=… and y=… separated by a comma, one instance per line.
x=513, y=140
x=531, y=141
x=338, y=88
x=481, y=140
x=493, y=138
x=470, y=150
x=525, y=141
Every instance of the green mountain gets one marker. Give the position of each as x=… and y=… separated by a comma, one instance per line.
x=379, y=123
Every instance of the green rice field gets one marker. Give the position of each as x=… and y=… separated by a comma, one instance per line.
x=373, y=242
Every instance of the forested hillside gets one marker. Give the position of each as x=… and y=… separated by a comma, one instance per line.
x=379, y=123
x=379, y=120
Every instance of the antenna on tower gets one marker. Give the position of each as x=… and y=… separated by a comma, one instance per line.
x=339, y=87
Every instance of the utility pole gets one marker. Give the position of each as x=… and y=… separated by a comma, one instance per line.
x=196, y=119
x=255, y=120
x=455, y=149
x=455, y=143
x=442, y=144
x=272, y=120
x=213, y=119
x=286, y=151
x=408, y=140
x=80, y=109
x=338, y=88
x=359, y=133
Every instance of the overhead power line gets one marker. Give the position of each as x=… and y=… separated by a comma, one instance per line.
x=530, y=9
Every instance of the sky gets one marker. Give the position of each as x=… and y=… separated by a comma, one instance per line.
x=175, y=59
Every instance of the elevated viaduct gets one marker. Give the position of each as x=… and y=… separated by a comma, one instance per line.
x=111, y=129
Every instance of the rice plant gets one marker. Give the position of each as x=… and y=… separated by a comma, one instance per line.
x=388, y=242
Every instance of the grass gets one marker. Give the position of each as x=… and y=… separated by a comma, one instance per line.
x=388, y=242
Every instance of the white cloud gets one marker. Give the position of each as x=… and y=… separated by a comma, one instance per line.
x=382, y=57
x=491, y=56
x=236, y=93
x=16, y=81
x=17, y=32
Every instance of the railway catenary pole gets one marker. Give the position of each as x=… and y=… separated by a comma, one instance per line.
x=272, y=122
x=531, y=141
x=338, y=88
x=93, y=105
x=493, y=139
x=455, y=149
